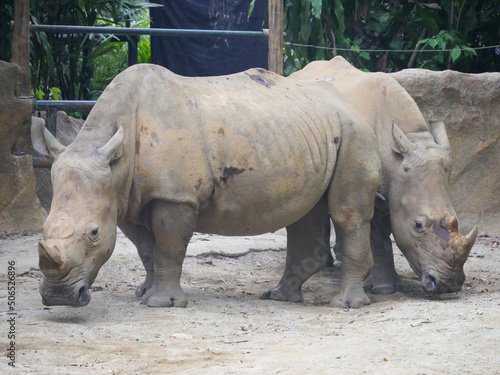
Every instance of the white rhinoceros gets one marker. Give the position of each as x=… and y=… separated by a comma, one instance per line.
x=415, y=171
x=162, y=155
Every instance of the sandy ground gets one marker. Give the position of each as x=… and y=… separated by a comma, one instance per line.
x=227, y=329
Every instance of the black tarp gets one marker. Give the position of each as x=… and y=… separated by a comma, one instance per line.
x=208, y=56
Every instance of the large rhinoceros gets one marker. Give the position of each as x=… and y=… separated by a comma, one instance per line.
x=162, y=156
x=415, y=171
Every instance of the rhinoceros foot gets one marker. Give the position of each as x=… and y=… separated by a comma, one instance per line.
x=142, y=289
x=355, y=299
x=383, y=280
x=154, y=298
x=280, y=293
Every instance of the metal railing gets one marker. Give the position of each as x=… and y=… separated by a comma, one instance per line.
x=52, y=106
x=67, y=29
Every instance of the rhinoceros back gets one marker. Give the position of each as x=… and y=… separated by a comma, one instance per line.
x=252, y=150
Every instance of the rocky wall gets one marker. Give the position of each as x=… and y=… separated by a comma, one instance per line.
x=20, y=209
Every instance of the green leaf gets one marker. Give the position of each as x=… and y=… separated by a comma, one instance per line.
x=305, y=22
x=289, y=70
x=365, y=55
x=38, y=94
x=469, y=51
x=316, y=7
x=339, y=14
x=56, y=93
x=455, y=53
x=250, y=9
x=441, y=43
x=396, y=43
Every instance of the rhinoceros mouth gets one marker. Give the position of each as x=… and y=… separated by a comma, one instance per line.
x=76, y=295
x=83, y=297
x=435, y=285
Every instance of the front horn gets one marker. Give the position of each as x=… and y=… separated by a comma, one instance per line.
x=49, y=265
x=462, y=245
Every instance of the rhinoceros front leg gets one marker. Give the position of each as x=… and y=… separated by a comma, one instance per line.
x=144, y=241
x=383, y=278
x=307, y=246
x=173, y=225
x=350, y=200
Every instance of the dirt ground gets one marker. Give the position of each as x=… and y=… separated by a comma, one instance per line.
x=227, y=329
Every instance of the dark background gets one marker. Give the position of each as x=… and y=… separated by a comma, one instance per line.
x=204, y=56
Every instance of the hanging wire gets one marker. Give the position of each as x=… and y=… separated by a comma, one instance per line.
x=291, y=44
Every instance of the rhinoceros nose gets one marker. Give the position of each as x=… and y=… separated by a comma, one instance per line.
x=59, y=229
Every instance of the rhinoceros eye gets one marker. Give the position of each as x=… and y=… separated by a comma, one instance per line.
x=93, y=233
x=419, y=226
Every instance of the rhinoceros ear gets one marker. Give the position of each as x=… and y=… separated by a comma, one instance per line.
x=43, y=141
x=438, y=131
x=400, y=142
x=114, y=148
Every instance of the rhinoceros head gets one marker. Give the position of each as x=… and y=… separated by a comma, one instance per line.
x=80, y=231
x=423, y=220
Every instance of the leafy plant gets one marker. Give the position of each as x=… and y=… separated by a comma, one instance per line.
x=69, y=61
x=394, y=34
x=37, y=94
x=445, y=40
x=113, y=60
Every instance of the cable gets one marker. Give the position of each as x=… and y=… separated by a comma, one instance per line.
x=496, y=47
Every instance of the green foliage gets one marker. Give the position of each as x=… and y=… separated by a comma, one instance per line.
x=444, y=40
x=114, y=59
x=64, y=66
x=312, y=22
x=55, y=93
x=37, y=94
x=426, y=33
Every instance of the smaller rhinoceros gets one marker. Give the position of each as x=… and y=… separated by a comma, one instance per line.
x=162, y=156
x=416, y=206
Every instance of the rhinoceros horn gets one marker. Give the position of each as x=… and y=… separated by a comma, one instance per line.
x=462, y=245
x=43, y=141
x=49, y=263
x=438, y=131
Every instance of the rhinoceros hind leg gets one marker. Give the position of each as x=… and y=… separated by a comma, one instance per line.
x=279, y=293
x=173, y=225
x=307, y=246
x=144, y=241
x=329, y=262
x=383, y=278
x=142, y=288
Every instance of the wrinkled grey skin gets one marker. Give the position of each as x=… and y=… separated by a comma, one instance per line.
x=162, y=156
x=415, y=205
